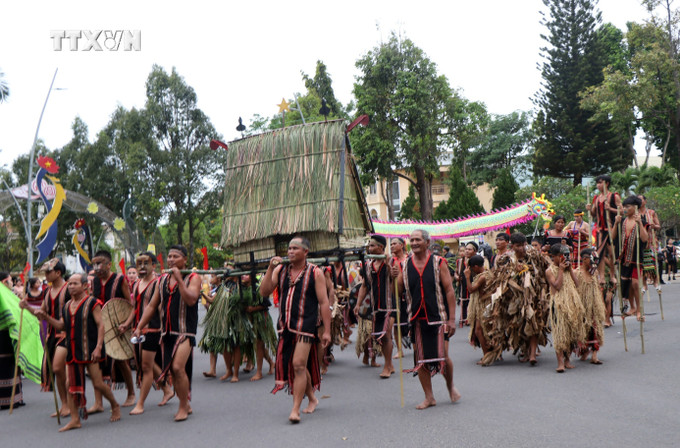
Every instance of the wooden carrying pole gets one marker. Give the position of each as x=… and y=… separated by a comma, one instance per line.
x=399, y=347
x=641, y=301
x=16, y=363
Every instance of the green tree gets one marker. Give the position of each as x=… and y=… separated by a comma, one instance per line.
x=506, y=144
x=568, y=143
x=411, y=109
x=504, y=194
x=462, y=200
x=188, y=173
x=410, y=208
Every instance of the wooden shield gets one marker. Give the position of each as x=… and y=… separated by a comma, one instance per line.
x=117, y=344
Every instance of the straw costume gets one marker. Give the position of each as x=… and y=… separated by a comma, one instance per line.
x=519, y=304
x=567, y=315
x=593, y=305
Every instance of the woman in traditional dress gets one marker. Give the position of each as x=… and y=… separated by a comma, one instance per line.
x=579, y=231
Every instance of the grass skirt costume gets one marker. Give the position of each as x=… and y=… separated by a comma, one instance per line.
x=364, y=340
x=479, y=300
x=519, y=304
x=567, y=315
x=226, y=324
x=593, y=305
x=262, y=324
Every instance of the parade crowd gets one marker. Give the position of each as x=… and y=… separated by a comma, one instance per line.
x=557, y=289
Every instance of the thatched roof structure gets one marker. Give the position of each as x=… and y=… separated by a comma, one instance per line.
x=297, y=180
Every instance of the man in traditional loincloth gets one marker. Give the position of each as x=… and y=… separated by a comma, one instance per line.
x=302, y=293
x=635, y=238
x=431, y=308
x=108, y=285
x=604, y=209
x=81, y=321
x=148, y=351
x=54, y=298
x=177, y=295
x=378, y=288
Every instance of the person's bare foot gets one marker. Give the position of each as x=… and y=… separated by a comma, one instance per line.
x=129, y=401
x=365, y=360
x=584, y=356
x=234, y=379
x=70, y=425
x=210, y=374
x=63, y=412
x=226, y=376
x=568, y=364
x=454, y=394
x=640, y=317
x=427, y=403
x=271, y=370
x=311, y=407
x=96, y=409
x=559, y=370
x=481, y=363
x=386, y=373
x=398, y=355
x=324, y=369
x=115, y=413
x=596, y=361
x=181, y=415
x=137, y=410
x=532, y=361
x=249, y=367
x=375, y=364
x=257, y=377
x=294, y=417
x=167, y=396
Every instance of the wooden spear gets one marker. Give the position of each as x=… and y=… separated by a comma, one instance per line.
x=641, y=302
x=16, y=363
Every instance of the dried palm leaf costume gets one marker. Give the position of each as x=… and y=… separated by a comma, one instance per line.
x=53, y=301
x=428, y=312
x=215, y=331
x=297, y=322
x=105, y=291
x=519, y=304
x=379, y=285
x=567, y=315
x=593, y=305
x=81, y=340
x=152, y=332
x=479, y=300
x=263, y=326
x=649, y=260
x=179, y=322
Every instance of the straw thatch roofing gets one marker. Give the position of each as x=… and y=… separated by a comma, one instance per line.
x=289, y=181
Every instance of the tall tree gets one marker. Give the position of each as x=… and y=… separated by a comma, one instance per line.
x=568, y=143
x=188, y=173
x=411, y=110
x=506, y=144
x=462, y=200
x=504, y=194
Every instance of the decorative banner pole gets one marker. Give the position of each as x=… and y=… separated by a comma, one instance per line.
x=283, y=108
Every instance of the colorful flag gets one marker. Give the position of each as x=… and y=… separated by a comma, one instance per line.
x=121, y=264
x=160, y=261
x=31, y=356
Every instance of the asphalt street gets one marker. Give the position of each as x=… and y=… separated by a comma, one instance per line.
x=630, y=400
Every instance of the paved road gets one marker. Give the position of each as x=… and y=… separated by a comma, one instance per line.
x=631, y=400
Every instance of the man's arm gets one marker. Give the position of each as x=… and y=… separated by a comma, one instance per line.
x=330, y=288
x=97, y=315
x=271, y=278
x=320, y=288
x=555, y=281
x=479, y=283
x=191, y=293
x=131, y=317
x=151, y=308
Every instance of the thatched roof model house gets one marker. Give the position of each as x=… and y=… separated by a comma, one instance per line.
x=296, y=180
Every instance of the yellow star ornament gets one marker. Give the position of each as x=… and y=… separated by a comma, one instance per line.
x=284, y=106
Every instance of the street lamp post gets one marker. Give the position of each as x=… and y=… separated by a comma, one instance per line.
x=29, y=230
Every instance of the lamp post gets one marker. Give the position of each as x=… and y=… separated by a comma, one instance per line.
x=29, y=230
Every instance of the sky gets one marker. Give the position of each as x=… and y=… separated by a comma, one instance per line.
x=243, y=57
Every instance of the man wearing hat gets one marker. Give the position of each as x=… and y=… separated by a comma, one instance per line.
x=54, y=298
x=378, y=286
